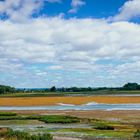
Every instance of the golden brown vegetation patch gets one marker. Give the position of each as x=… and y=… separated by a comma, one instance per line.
x=42, y=101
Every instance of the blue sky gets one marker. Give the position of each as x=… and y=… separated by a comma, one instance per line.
x=92, y=8
x=69, y=42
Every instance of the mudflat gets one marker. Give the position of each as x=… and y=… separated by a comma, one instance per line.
x=47, y=101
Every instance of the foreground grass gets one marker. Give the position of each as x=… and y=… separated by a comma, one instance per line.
x=18, y=135
x=88, y=133
x=101, y=129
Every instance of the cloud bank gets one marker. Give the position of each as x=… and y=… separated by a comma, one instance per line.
x=66, y=52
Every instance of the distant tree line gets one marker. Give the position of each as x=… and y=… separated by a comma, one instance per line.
x=128, y=86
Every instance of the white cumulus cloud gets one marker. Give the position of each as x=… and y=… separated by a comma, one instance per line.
x=129, y=10
x=75, y=4
x=22, y=10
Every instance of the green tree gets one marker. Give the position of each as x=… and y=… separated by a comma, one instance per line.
x=53, y=89
x=131, y=86
x=6, y=89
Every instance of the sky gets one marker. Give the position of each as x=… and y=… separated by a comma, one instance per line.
x=69, y=43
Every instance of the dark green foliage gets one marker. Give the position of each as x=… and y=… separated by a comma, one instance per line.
x=103, y=126
x=59, y=119
x=7, y=114
x=137, y=134
x=131, y=86
x=6, y=89
x=53, y=89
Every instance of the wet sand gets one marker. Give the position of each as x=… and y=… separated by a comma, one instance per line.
x=47, y=101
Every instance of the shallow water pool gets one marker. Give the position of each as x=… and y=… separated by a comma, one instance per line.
x=89, y=106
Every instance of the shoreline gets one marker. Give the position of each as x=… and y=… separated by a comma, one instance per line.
x=80, y=100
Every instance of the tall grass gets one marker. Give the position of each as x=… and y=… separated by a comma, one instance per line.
x=18, y=135
x=7, y=114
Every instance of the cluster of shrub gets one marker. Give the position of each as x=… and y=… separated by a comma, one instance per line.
x=18, y=135
x=137, y=134
x=59, y=119
x=103, y=126
x=43, y=118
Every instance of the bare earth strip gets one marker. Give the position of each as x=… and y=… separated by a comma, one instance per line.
x=46, y=101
